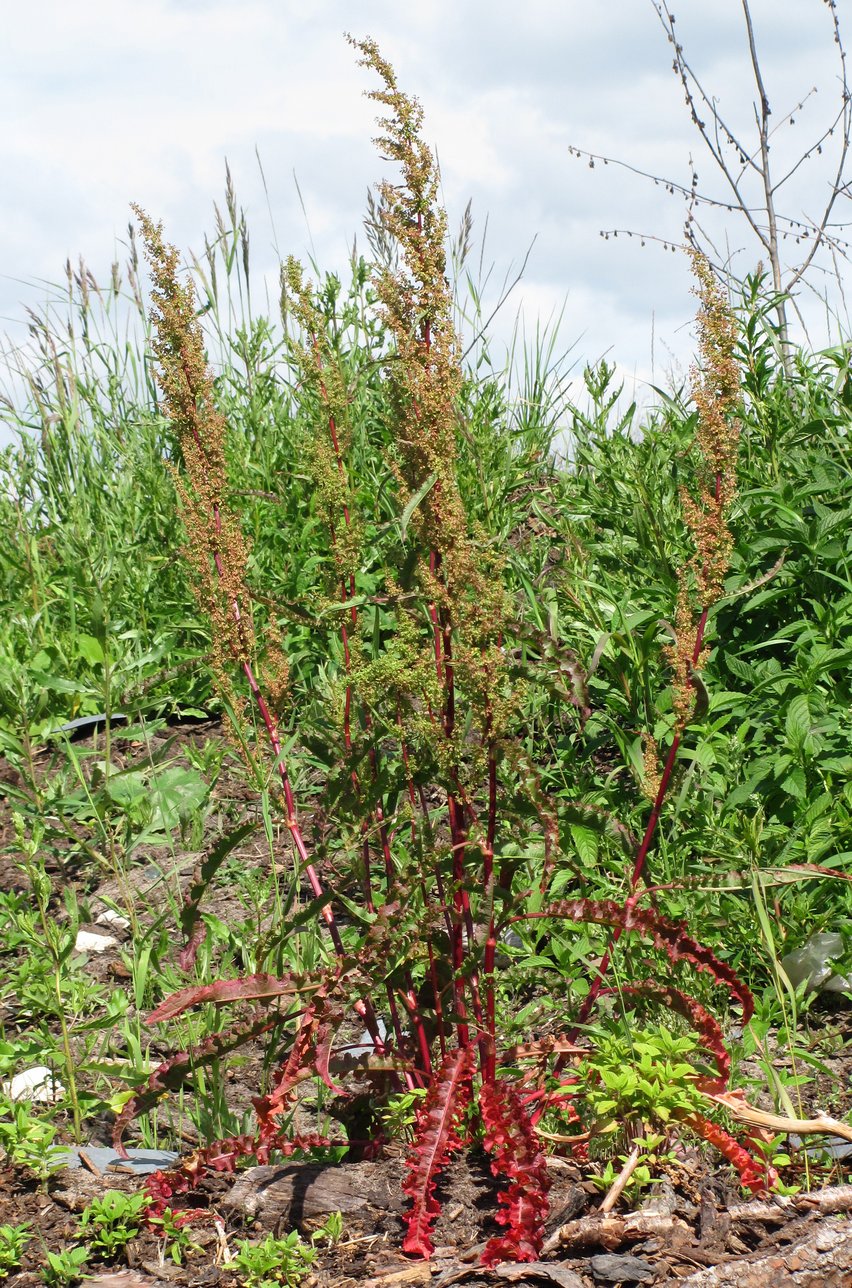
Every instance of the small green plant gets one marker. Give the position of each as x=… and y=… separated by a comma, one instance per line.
x=114, y=1219
x=13, y=1245
x=331, y=1232
x=285, y=1260
x=399, y=1114
x=773, y=1154
x=58, y=939
x=652, y=1157
x=175, y=1234
x=62, y=1269
x=642, y=1081
x=28, y=1141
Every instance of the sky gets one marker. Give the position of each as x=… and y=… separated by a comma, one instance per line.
x=107, y=103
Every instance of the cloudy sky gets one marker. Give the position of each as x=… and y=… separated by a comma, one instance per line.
x=105, y=103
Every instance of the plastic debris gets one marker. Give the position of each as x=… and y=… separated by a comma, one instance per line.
x=102, y=1158
x=365, y=1043
x=38, y=1084
x=811, y=964
x=838, y=1149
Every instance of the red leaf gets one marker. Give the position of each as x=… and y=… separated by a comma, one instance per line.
x=516, y=1154
x=437, y=1136
x=310, y=1053
x=755, y=1175
x=222, y=1156
x=169, y=1075
x=249, y=988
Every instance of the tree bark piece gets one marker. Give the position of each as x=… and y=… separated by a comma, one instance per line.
x=412, y=1275
x=822, y=1261
x=297, y=1192
x=122, y=1279
x=549, y=1271
x=611, y=1232
x=833, y=1199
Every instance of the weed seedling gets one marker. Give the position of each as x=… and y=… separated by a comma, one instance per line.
x=399, y=1114
x=177, y=1239
x=63, y=1269
x=13, y=1245
x=114, y=1220
x=28, y=1142
x=652, y=1157
x=286, y=1260
x=275, y=1261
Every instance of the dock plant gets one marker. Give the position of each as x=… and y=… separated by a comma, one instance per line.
x=414, y=857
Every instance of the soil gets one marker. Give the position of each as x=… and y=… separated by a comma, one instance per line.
x=694, y=1221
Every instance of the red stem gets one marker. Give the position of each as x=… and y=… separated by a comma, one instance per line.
x=640, y=865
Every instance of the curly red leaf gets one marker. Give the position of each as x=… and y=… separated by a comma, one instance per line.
x=516, y=1155
x=437, y=1136
x=670, y=936
x=223, y=1156
x=259, y=987
x=755, y=1174
x=172, y=1073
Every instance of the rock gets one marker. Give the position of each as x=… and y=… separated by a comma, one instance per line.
x=112, y=918
x=38, y=1084
x=86, y=942
x=613, y=1269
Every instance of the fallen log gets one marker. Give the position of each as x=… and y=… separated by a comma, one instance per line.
x=824, y=1260
x=296, y=1192
x=833, y=1199
x=602, y=1229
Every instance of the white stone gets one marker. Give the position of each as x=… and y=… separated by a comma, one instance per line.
x=86, y=942
x=37, y=1083
x=112, y=918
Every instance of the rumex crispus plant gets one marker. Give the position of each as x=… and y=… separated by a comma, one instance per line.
x=429, y=786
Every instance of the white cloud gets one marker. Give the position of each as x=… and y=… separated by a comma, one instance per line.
x=114, y=102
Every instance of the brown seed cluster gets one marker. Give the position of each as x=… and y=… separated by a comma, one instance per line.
x=324, y=394
x=715, y=393
x=214, y=547
x=424, y=380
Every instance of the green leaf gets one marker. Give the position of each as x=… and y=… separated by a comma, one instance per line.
x=413, y=502
x=586, y=842
x=176, y=793
x=90, y=649
x=799, y=722
x=795, y=784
